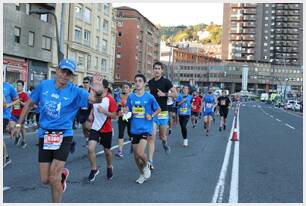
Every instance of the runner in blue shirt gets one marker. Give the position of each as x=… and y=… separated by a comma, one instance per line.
x=209, y=103
x=184, y=112
x=58, y=100
x=144, y=108
x=10, y=96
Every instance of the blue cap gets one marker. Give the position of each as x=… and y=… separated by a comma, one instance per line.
x=68, y=64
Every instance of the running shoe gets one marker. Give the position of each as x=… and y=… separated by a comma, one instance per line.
x=119, y=154
x=109, y=173
x=72, y=147
x=224, y=127
x=169, y=132
x=147, y=171
x=141, y=179
x=220, y=129
x=193, y=126
x=7, y=161
x=185, y=142
x=23, y=144
x=65, y=175
x=166, y=148
x=92, y=175
x=196, y=121
x=151, y=165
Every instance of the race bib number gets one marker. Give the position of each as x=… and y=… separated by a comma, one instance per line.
x=209, y=105
x=53, y=141
x=223, y=102
x=183, y=110
x=17, y=106
x=163, y=115
x=139, y=112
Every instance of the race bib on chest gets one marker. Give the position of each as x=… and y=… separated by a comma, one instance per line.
x=17, y=106
x=163, y=115
x=223, y=102
x=209, y=105
x=138, y=112
x=183, y=110
x=53, y=141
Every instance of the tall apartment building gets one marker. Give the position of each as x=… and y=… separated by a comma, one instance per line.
x=270, y=33
x=27, y=42
x=89, y=38
x=137, y=45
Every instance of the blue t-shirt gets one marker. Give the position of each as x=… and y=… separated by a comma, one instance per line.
x=185, y=108
x=58, y=107
x=209, y=102
x=9, y=93
x=140, y=107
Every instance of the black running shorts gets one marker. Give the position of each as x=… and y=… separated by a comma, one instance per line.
x=60, y=154
x=137, y=137
x=223, y=112
x=195, y=114
x=104, y=139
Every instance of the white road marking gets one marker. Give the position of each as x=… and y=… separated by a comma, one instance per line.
x=271, y=116
x=5, y=188
x=290, y=126
x=278, y=120
x=234, y=188
x=114, y=147
x=219, y=189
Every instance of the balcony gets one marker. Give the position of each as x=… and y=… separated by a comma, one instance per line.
x=249, y=11
x=249, y=5
x=236, y=18
x=235, y=38
x=294, y=13
x=249, y=31
x=249, y=37
x=250, y=57
x=293, y=18
x=249, y=18
x=294, y=6
x=249, y=24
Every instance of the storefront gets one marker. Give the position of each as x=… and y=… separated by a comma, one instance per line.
x=15, y=69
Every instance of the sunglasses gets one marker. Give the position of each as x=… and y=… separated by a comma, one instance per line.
x=85, y=82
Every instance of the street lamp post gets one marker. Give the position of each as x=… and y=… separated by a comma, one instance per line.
x=60, y=54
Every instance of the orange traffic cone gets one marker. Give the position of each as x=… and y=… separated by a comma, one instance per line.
x=235, y=132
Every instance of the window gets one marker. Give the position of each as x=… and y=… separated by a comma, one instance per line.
x=104, y=45
x=31, y=39
x=97, y=43
x=17, y=34
x=119, y=33
x=99, y=5
x=17, y=6
x=97, y=62
x=98, y=23
x=86, y=38
x=117, y=66
x=117, y=76
x=103, y=64
x=119, y=45
x=120, y=24
x=80, y=60
x=44, y=17
x=28, y=8
x=78, y=11
x=77, y=34
x=118, y=56
x=106, y=9
x=266, y=18
x=105, y=26
x=88, y=61
x=46, y=43
x=87, y=15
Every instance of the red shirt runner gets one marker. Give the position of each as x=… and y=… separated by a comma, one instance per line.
x=17, y=108
x=196, y=102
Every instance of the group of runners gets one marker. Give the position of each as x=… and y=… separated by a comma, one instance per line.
x=142, y=112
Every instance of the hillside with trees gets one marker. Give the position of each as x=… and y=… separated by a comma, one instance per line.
x=189, y=33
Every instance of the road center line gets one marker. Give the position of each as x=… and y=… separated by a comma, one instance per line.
x=219, y=189
x=234, y=188
x=288, y=125
x=114, y=147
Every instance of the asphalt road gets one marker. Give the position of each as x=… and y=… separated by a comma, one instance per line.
x=270, y=166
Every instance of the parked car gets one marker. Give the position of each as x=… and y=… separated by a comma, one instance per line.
x=289, y=104
x=296, y=106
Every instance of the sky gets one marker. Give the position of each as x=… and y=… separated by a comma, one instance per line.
x=174, y=14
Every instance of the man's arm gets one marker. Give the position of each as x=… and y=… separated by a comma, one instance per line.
x=173, y=93
x=27, y=107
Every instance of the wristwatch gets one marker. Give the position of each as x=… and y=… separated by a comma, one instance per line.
x=18, y=126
